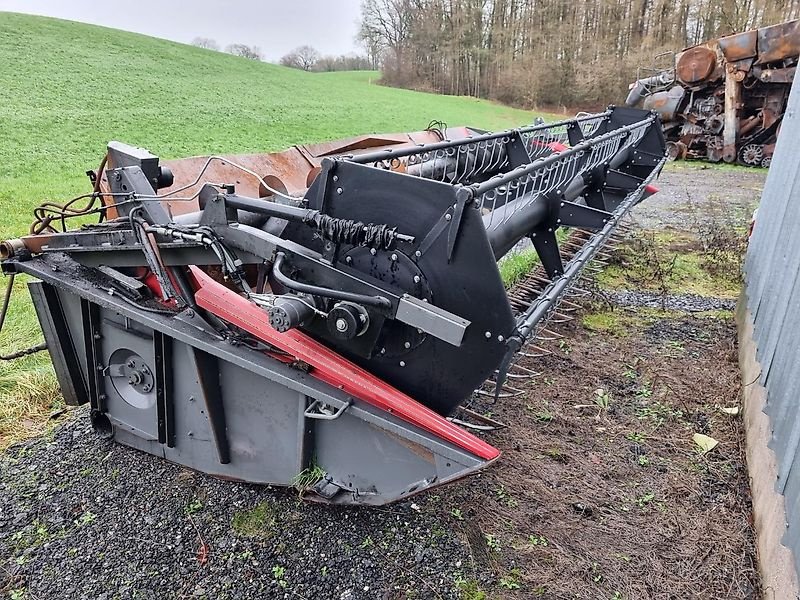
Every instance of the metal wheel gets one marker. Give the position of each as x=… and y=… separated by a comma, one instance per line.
x=752, y=154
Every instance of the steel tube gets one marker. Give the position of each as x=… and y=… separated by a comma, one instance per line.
x=505, y=235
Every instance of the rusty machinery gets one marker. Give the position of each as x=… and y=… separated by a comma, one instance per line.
x=723, y=100
x=321, y=312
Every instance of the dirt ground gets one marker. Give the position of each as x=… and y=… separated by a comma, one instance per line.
x=601, y=493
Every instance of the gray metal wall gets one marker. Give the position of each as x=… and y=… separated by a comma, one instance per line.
x=772, y=276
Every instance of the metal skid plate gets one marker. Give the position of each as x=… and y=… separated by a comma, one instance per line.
x=167, y=384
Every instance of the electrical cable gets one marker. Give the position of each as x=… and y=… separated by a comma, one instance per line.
x=4, y=313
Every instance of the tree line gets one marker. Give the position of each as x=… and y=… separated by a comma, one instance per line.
x=545, y=52
x=304, y=57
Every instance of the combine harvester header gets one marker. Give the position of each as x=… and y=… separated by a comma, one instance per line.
x=320, y=312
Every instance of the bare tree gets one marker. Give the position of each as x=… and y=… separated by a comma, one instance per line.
x=303, y=57
x=245, y=51
x=544, y=52
x=204, y=42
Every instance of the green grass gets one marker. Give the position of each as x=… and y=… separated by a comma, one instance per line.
x=66, y=89
x=516, y=265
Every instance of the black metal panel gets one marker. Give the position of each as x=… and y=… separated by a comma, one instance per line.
x=92, y=337
x=418, y=207
x=60, y=344
x=162, y=356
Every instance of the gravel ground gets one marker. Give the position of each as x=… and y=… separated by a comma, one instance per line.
x=680, y=302
x=83, y=518
x=690, y=190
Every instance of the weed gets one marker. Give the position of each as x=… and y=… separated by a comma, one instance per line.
x=635, y=437
x=85, y=518
x=492, y=542
x=537, y=540
x=510, y=581
x=602, y=398
x=564, y=346
x=645, y=499
x=193, y=507
x=308, y=477
x=644, y=391
x=260, y=521
x=504, y=497
x=469, y=589
x=540, y=415
x=457, y=514
x=17, y=594
x=643, y=460
x=597, y=576
x=278, y=573
x=658, y=412
x=367, y=543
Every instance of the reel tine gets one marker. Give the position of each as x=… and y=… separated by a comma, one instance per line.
x=560, y=318
x=483, y=418
x=541, y=352
x=530, y=372
x=512, y=393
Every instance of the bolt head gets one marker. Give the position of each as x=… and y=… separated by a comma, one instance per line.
x=341, y=325
x=394, y=257
x=417, y=279
x=402, y=363
x=447, y=217
x=339, y=191
x=407, y=345
x=373, y=251
x=488, y=334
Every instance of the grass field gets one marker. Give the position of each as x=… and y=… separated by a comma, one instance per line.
x=66, y=89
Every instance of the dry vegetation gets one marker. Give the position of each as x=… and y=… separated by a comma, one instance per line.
x=602, y=492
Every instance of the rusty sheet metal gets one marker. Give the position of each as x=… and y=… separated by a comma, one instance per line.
x=778, y=42
x=739, y=46
x=696, y=64
x=290, y=171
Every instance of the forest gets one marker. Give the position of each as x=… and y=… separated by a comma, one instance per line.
x=545, y=53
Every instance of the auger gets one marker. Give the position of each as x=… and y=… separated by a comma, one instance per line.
x=324, y=310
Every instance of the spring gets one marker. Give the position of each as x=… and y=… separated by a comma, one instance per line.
x=346, y=231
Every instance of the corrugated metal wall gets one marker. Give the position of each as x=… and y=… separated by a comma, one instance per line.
x=772, y=276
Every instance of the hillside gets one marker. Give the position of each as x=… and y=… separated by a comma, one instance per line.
x=72, y=87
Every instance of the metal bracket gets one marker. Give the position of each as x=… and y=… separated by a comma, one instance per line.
x=323, y=411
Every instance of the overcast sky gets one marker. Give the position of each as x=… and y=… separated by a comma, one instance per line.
x=275, y=26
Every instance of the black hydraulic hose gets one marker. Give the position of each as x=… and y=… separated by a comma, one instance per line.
x=314, y=290
x=3, y=313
